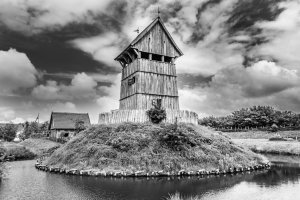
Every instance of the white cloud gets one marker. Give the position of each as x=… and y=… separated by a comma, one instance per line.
x=283, y=36
x=111, y=100
x=6, y=114
x=16, y=71
x=47, y=14
x=264, y=83
x=82, y=86
x=214, y=50
x=18, y=120
x=103, y=48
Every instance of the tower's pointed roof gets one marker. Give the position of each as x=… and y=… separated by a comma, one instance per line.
x=148, y=29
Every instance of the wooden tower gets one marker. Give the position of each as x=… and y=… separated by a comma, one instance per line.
x=148, y=70
x=149, y=79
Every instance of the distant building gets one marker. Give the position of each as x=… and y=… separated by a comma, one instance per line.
x=62, y=124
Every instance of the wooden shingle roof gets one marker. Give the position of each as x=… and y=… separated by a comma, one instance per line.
x=63, y=120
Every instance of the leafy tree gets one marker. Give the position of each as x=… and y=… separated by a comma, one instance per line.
x=29, y=128
x=256, y=116
x=79, y=126
x=9, y=132
x=43, y=128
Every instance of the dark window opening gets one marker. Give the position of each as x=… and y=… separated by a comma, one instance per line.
x=168, y=59
x=131, y=81
x=156, y=57
x=144, y=55
x=66, y=135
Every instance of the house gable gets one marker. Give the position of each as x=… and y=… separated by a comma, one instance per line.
x=67, y=121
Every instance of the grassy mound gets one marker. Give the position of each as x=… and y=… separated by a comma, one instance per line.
x=131, y=147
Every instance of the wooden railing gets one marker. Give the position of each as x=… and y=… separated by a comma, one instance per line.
x=140, y=116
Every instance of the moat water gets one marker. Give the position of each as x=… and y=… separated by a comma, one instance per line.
x=281, y=182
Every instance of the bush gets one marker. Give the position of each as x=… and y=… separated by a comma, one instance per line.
x=19, y=153
x=274, y=128
x=156, y=115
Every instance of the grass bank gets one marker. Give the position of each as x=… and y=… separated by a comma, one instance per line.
x=271, y=147
x=28, y=149
x=132, y=147
x=14, y=151
x=40, y=146
x=262, y=134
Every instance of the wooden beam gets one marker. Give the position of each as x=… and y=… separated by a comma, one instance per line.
x=126, y=59
x=138, y=53
x=172, y=60
x=130, y=56
x=150, y=56
x=123, y=58
x=163, y=58
x=122, y=64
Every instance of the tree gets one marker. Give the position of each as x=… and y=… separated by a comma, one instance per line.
x=44, y=127
x=256, y=116
x=9, y=132
x=79, y=126
x=29, y=128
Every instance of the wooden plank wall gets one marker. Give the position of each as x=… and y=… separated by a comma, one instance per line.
x=144, y=101
x=156, y=41
x=140, y=116
x=153, y=79
x=157, y=84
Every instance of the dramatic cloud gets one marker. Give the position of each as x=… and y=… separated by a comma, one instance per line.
x=103, y=48
x=16, y=71
x=34, y=16
x=110, y=101
x=82, y=86
x=264, y=83
x=237, y=53
x=283, y=36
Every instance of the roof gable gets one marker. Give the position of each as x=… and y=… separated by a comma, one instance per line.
x=147, y=30
x=150, y=27
x=60, y=120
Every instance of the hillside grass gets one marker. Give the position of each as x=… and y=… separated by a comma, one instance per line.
x=131, y=147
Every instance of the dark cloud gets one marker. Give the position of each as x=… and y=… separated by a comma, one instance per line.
x=248, y=12
x=223, y=42
x=51, y=52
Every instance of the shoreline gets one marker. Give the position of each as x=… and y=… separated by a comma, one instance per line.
x=201, y=172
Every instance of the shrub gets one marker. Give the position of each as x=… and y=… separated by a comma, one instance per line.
x=20, y=153
x=156, y=115
x=274, y=128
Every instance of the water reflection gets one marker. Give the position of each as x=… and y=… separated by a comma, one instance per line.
x=25, y=182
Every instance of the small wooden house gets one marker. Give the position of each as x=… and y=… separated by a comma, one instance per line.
x=63, y=125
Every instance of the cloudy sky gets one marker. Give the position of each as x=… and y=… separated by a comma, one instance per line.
x=58, y=55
